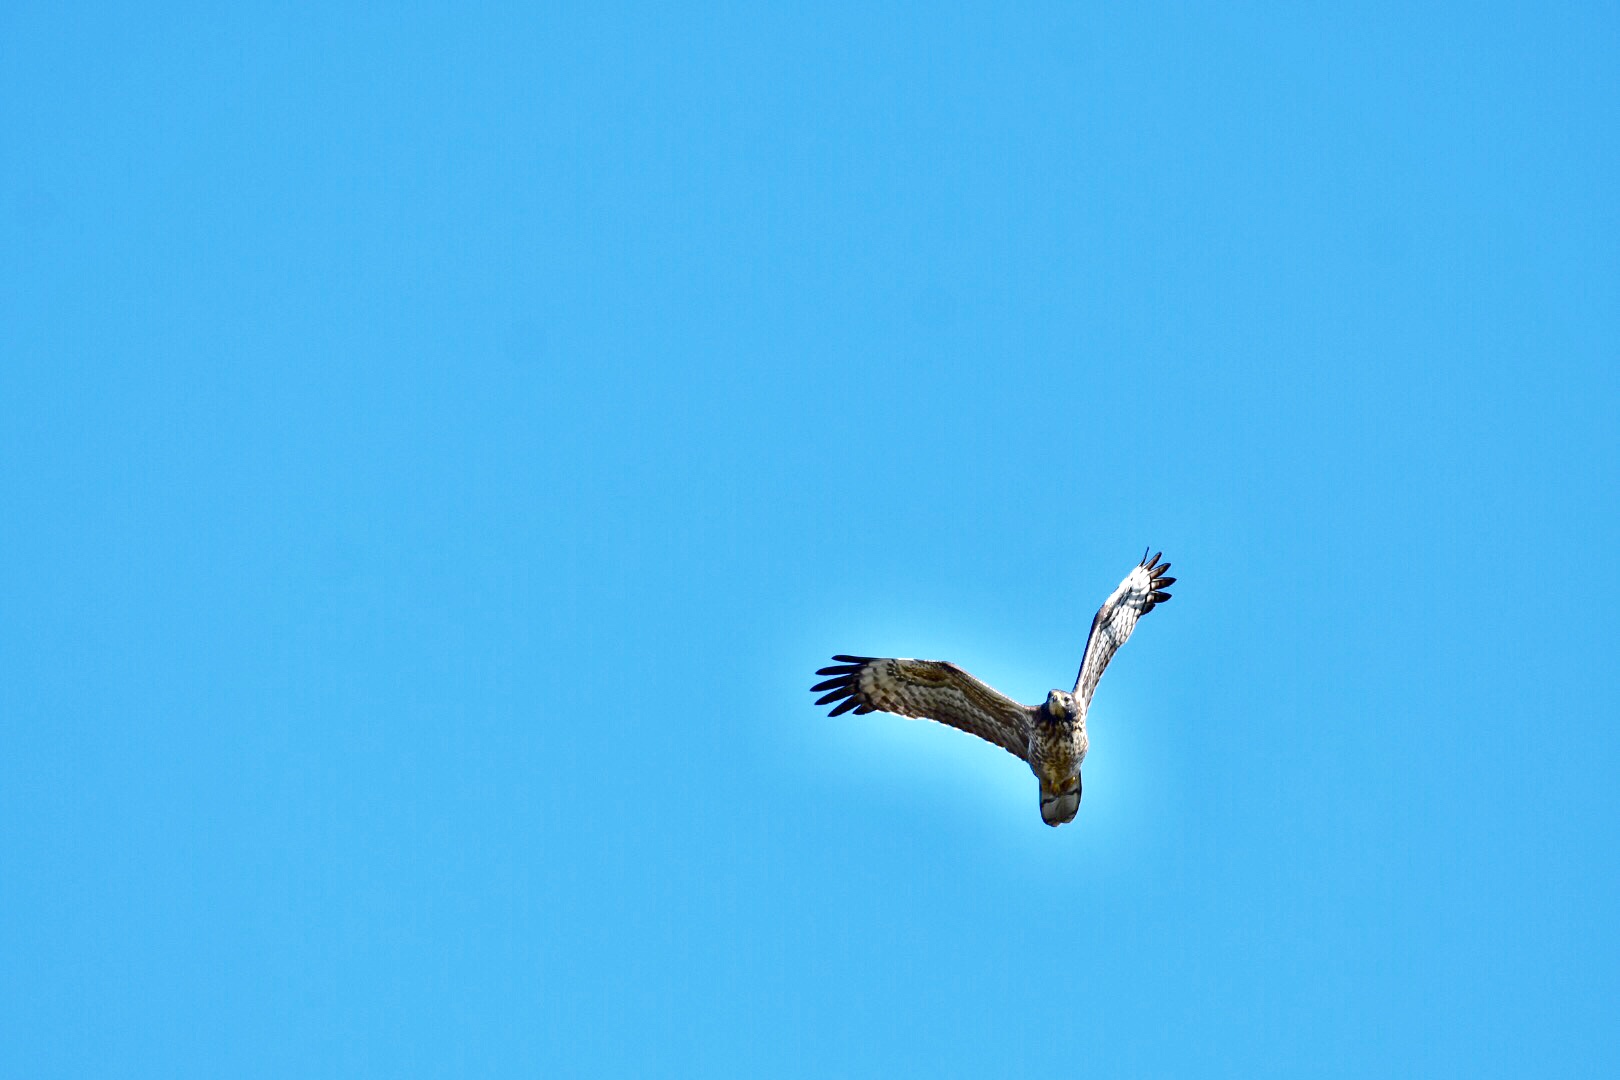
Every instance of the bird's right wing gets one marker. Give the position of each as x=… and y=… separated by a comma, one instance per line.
x=933, y=689
x=1142, y=590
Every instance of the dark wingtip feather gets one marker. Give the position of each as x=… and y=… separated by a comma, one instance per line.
x=1163, y=582
x=1160, y=597
x=842, y=686
x=862, y=710
x=1144, y=561
x=1156, y=557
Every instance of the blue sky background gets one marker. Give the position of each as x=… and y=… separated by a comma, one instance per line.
x=438, y=446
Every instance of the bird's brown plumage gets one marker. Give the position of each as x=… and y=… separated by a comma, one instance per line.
x=1051, y=737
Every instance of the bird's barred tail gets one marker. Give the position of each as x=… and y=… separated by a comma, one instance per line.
x=1059, y=803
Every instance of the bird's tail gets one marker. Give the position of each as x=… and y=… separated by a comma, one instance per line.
x=1060, y=802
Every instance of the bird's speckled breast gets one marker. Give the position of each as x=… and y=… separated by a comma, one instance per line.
x=1056, y=751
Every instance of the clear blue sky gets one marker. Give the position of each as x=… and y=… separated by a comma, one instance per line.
x=438, y=446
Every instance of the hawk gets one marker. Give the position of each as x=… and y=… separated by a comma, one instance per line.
x=1051, y=737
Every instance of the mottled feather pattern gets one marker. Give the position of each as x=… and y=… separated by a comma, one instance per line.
x=1051, y=737
x=1140, y=592
x=930, y=689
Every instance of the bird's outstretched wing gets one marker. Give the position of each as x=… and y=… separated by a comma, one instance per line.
x=933, y=689
x=1137, y=595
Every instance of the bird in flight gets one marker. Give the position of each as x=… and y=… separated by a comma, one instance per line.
x=1051, y=737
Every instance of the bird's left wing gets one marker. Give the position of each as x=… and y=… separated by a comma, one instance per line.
x=1142, y=589
x=933, y=689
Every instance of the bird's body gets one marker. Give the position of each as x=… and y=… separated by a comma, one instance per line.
x=1050, y=737
x=1057, y=748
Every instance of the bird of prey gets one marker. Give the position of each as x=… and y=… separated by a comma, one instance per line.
x=1051, y=737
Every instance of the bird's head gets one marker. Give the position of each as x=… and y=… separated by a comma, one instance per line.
x=1060, y=705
